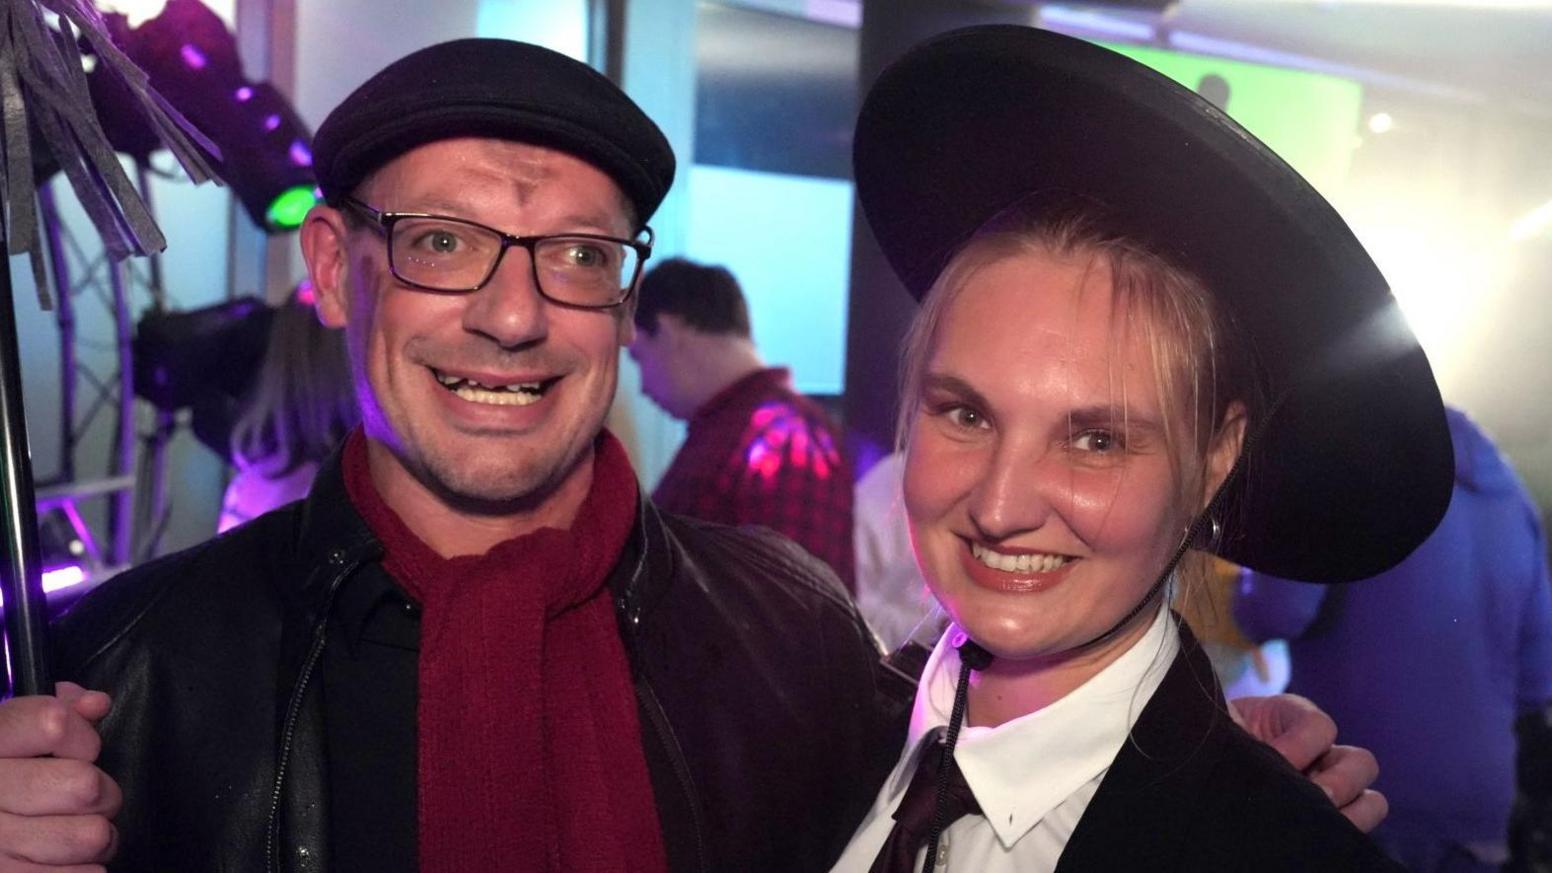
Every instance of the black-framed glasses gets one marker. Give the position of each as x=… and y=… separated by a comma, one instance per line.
x=455, y=256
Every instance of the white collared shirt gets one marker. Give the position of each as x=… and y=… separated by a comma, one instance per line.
x=1033, y=776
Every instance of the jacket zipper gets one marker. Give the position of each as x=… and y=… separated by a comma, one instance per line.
x=654, y=709
x=630, y=607
x=294, y=707
x=670, y=742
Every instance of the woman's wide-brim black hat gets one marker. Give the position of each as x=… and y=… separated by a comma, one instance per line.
x=1353, y=469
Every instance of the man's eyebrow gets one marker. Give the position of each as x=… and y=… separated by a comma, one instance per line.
x=451, y=208
x=594, y=222
x=581, y=222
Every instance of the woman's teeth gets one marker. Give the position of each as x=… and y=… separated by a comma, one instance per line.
x=1017, y=563
x=515, y=394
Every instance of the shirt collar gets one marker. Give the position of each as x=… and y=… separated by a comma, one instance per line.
x=366, y=600
x=756, y=384
x=1021, y=770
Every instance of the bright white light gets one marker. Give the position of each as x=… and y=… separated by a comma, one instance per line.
x=137, y=11
x=1532, y=223
x=1525, y=5
x=67, y=576
x=1448, y=289
x=63, y=577
x=1381, y=122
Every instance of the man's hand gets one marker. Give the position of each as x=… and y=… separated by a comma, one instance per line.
x=56, y=808
x=1305, y=735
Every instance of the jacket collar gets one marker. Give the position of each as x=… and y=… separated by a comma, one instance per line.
x=330, y=531
x=744, y=391
x=1170, y=756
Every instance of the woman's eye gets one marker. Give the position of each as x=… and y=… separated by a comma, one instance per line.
x=1100, y=441
x=965, y=417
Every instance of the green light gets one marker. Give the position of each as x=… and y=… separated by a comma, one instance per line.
x=1309, y=119
x=287, y=211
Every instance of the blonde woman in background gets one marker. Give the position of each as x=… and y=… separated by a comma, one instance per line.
x=299, y=408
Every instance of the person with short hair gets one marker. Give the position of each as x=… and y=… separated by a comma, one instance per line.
x=755, y=451
x=475, y=645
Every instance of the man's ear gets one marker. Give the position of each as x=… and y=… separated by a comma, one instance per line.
x=323, y=237
x=1227, y=443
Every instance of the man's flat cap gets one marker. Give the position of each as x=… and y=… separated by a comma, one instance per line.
x=494, y=88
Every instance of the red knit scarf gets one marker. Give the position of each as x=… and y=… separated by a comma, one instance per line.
x=530, y=750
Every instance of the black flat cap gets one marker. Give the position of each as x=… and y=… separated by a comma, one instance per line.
x=1353, y=467
x=494, y=88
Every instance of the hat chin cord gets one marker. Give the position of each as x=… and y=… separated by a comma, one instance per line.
x=972, y=656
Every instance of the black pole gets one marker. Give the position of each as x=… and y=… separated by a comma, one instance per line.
x=64, y=315
x=20, y=582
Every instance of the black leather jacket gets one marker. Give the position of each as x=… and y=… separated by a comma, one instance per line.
x=766, y=720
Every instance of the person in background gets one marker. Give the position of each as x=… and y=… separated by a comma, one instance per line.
x=299, y=408
x=891, y=593
x=1430, y=663
x=755, y=451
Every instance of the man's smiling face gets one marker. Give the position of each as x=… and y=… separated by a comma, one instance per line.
x=495, y=396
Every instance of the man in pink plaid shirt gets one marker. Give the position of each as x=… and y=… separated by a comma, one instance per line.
x=756, y=451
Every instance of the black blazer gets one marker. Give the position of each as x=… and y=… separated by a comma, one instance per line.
x=1191, y=791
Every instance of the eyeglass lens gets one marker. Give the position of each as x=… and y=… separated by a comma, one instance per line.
x=452, y=256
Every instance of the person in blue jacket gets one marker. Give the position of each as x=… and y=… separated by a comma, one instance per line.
x=1430, y=663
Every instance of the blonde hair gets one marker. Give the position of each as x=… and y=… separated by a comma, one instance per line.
x=1200, y=367
x=302, y=402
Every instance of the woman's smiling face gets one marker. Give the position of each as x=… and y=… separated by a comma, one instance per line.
x=1042, y=496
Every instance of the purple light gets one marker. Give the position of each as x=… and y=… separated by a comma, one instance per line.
x=244, y=94
x=301, y=155
x=193, y=56
x=778, y=435
x=271, y=122
x=54, y=579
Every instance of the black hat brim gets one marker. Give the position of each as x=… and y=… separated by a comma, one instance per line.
x=1354, y=468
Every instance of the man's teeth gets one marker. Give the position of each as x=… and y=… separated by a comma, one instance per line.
x=515, y=394
x=1017, y=563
